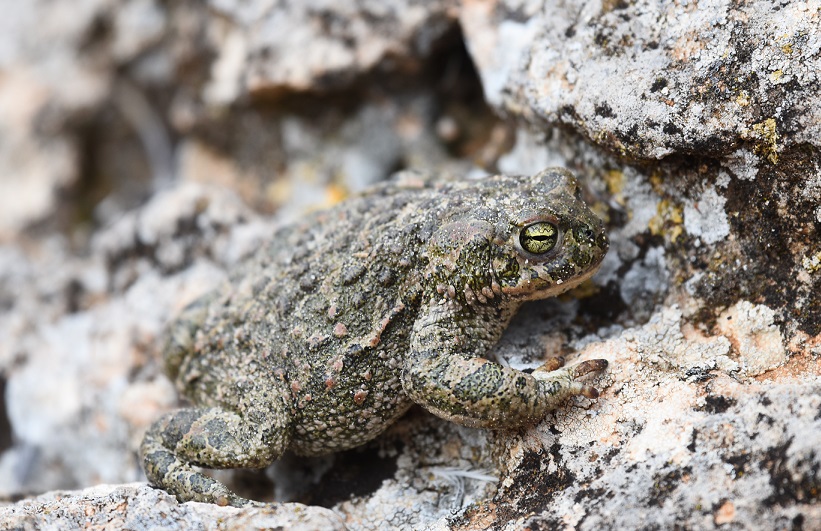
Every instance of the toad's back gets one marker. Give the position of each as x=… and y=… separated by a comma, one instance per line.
x=326, y=307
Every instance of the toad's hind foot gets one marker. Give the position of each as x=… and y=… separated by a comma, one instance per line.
x=213, y=438
x=167, y=472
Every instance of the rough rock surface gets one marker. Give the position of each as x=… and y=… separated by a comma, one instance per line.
x=138, y=506
x=650, y=78
x=143, y=146
x=328, y=44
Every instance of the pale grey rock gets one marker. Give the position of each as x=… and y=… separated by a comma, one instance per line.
x=139, y=507
x=648, y=79
x=752, y=330
x=705, y=217
x=55, y=72
x=669, y=451
x=76, y=331
x=276, y=47
x=32, y=169
x=646, y=278
x=529, y=154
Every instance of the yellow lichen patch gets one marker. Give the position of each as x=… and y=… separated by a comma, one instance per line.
x=336, y=193
x=615, y=185
x=786, y=47
x=656, y=181
x=766, y=132
x=775, y=75
x=667, y=221
x=743, y=99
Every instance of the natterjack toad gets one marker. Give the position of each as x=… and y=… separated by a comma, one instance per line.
x=344, y=320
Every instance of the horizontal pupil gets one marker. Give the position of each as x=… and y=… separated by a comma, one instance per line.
x=539, y=238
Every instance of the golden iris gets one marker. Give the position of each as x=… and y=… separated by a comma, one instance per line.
x=539, y=237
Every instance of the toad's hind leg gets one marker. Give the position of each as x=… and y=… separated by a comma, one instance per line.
x=213, y=437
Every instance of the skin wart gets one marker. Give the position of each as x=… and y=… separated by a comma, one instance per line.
x=344, y=320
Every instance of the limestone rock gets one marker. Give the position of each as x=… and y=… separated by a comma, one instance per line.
x=273, y=48
x=137, y=506
x=650, y=78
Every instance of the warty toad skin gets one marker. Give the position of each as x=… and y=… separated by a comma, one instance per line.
x=345, y=319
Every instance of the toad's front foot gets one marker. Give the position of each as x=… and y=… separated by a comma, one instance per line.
x=562, y=381
x=475, y=392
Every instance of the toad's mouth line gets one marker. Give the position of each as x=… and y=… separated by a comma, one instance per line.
x=541, y=288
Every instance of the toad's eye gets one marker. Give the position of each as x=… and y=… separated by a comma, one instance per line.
x=539, y=238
